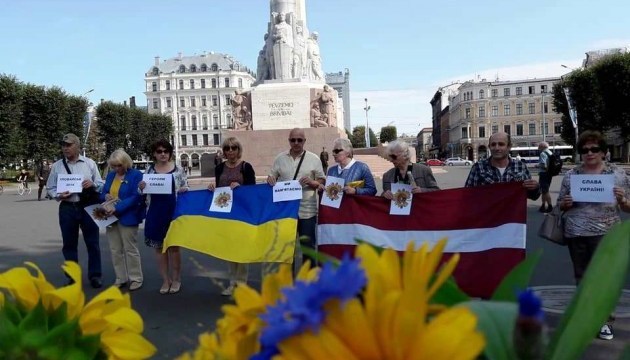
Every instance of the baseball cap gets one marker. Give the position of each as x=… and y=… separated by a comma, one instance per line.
x=70, y=138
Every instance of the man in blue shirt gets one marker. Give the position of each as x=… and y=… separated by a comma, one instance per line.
x=543, y=177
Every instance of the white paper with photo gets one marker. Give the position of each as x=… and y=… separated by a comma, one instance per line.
x=100, y=221
x=593, y=188
x=333, y=192
x=287, y=191
x=158, y=183
x=222, y=200
x=401, y=199
x=69, y=182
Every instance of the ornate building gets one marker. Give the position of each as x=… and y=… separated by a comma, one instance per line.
x=522, y=108
x=341, y=82
x=196, y=92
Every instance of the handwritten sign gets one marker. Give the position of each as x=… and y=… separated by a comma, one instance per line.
x=69, y=182
x=593, y=188
x=287, y=191
x=96, y=214
x=401, y=201
x=333, y=192
x=222, y=200
x=158, y=183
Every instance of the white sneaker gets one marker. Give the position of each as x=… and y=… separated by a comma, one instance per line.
x=606, y=332
x=229, y=291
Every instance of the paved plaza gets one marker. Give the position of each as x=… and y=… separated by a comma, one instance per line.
x=29, y=231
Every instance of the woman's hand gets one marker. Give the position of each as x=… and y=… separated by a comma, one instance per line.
x=109, y=197
x=416, y=190
x=182, y=190
x=566, y=202
x=234, y=185
x=349, y=190
x=211, y=186
x=388, y=195
x=620, y=195
x=142, y=185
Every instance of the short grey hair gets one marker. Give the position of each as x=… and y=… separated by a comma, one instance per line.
x=398, y=146
x=345, y=144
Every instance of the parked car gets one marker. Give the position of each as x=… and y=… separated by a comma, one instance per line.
x=457, y=161
x=435, y=162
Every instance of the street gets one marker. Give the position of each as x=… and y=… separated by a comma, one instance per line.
x=30, y=232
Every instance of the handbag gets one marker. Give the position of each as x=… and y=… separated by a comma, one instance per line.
x=552, y=227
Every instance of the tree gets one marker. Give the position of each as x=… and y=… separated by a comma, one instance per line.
x=10, y=115
x=388, y=133
x=358, y=137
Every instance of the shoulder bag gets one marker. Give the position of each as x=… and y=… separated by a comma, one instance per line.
x=552, y=227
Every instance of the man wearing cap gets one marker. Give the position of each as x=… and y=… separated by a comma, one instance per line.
x=71, y=213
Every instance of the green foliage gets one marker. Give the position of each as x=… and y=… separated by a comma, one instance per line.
x=358, y=137
x=496, y=321
x=10, y=113
x=388, y=133
x=517, y=280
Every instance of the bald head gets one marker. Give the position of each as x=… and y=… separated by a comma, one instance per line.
x=297, y=138
x=500, y=136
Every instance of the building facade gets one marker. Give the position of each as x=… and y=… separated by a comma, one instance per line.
x=341, y=82
x=196, y=92
x=521, y=108
x=425, y=144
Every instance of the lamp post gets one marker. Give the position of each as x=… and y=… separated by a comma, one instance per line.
x=367, y=124
x=89, y=123
x=572, y=111
x=542, y=110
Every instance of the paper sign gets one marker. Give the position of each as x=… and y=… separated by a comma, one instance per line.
x=158, y=183
x=222, y=200
x=333, y=192
x=287, y=191
x=401, y=201
x=69, y=182
x=593, y=188
x=100, y=220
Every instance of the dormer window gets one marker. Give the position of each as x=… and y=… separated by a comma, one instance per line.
x=182, y=69
x=204, y=67
x=193, y=68
x=214, y=67
x=155, y=71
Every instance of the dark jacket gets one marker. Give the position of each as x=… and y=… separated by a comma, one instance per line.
x=422, y=176
x=130, y=209
x=249, y=176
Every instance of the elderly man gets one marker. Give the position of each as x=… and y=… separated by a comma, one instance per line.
x=544, y=178
x=71, y=213
x=500, y=167
x=305, y=166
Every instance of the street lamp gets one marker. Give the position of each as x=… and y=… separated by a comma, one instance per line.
x=542, y=110
x=367, y=124
x=89, y=122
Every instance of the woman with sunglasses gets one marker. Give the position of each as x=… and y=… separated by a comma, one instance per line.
x=357, y=175
x=419, y=176
x=233, y=172
x=585, y=223
x=161, y=208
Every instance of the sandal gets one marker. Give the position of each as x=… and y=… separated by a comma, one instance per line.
x=175, y=287
x=165, y=288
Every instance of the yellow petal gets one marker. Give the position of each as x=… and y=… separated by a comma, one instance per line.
x=21, y=285
x=126, y=319
x=445, y=273
x=350, y=324
x=127, y=345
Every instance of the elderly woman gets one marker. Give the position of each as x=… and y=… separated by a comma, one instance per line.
x=587, y=222
x=233, y=172
x=357, y=175
x=160, y=213
x=121, y=190
x=419, y=176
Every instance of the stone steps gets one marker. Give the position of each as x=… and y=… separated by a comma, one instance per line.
x=377, y=164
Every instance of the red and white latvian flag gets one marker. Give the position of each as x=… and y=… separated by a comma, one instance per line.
x=485, y=225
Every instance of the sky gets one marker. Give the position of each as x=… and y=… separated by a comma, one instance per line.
x=399, y=52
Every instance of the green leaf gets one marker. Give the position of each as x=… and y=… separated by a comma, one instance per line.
x=9, y=333
x=90, y=345
x=449, y=294
x=12, y=312
x=319, y=257
x=64, y=335
x=58, y=316
x=35, y=320
x=496, y=321
x=596, y=296
x=517, y=280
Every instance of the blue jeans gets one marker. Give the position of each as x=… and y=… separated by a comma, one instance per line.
x=71, y=218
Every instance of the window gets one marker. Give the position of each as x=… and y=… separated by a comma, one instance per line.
x=214, y=100
x=519, y=90
x=228, y=99
x=182, y=123
x=215, y=139
x=482, y=131
x=506, y=110
x=506, y=91
x=204, y=121
x=214, y=67
x=214, y=83
x=182, y=69
x=546, y=128
x=168, y=85
x=169, y=103
x=155, y=71
x=193, y=68
x=467, y=113
x=192, y=83
x=546, y=107
x=154, y=86
x=532, y=90
x=203, y=100
x=193, y=122
x=240, y=82
x=204, y=67
x=495, y=92
x=194, y=140
x=228, y=119
x=205, y=139
x=532, y=129
x=481, y=94
x=464, y=132
x=482, y=111
x=215, y=121
x=227, y=82
x=495, y=110
x=182, y=102
x=181, y=84
x=519, y=109
x=203, y=83
x=507, y=129
x=192, y=101
x=557, y=127
x=184, y=143
x=532, y=108
x=519, y=129
x=543, y=88
x=155, y=103
x=495, y=129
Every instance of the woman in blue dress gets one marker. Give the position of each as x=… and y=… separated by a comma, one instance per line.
x=357, y=175
x=161, y=208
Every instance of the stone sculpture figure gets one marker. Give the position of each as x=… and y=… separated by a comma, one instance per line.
x=268, y=50
x=244, y=120
x=298, y=53
x=314, y=60
x=326, y=102
x=262, y=70
x=282, y=47
x=316, y=116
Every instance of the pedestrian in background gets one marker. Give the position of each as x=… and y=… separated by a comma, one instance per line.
x=323, y=156
x=42, y=175
x=544, y=177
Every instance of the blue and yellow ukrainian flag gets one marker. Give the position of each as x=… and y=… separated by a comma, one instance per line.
x=256, y=230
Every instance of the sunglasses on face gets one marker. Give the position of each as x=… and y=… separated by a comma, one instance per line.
x=297, y=140
x=230, y=147
x=594, y=150
x=337, y=151
x=393, y=157
x=161, y=152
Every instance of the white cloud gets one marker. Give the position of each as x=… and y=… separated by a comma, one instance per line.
x=608, y=44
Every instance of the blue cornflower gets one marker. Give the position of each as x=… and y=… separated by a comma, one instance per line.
x=530, y=305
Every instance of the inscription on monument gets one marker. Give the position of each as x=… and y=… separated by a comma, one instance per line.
x=280, y=109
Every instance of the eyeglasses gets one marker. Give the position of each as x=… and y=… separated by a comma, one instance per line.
x=393, y=157
x=230, y=147
x=297, y=140
x=594, y=150
x=337, y=151
x=162, y=152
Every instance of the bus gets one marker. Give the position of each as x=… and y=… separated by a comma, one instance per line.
x=143, y=166
x=530, y=154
